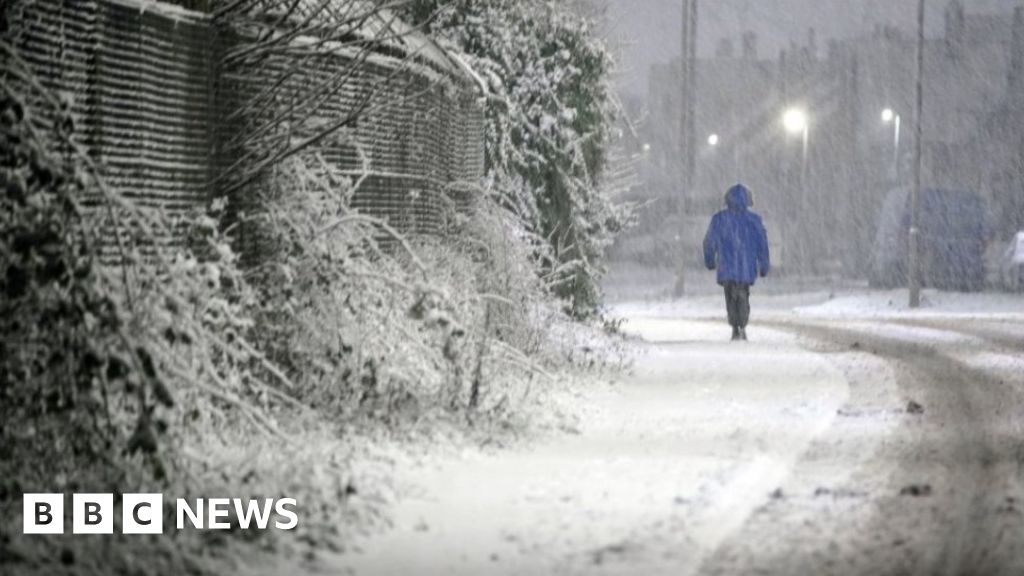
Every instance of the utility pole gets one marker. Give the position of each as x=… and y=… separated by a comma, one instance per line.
x=914, y=256
x=690, y=129
x=687, y=128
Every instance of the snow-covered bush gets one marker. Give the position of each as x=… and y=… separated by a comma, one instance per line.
x=368, y=323
x=132, y=363
x=337, y=309
x=98, y=361
x=549, y=112
x=116, y=358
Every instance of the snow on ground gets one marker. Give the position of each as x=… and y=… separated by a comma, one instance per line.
x=1008, y=366
x=933, y=303
x=661, y=471
x=883, y=313
x=712, y=306
x=673, y=462
x=917, y=334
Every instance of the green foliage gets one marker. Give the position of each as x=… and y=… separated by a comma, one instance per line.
x=549, y=111
x=122, y=359
x=112, y=352
x=77, y=388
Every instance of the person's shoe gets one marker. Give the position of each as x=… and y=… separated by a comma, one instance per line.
x=743, y=334
x=735, y=333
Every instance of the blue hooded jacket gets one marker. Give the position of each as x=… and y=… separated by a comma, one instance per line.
x=737, y=242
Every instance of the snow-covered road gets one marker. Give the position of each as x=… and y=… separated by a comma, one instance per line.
x=794, y=453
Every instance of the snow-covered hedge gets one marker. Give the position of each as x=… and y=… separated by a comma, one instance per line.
x=549, y=112
x=176, y=370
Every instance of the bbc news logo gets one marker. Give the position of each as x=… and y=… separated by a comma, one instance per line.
x=144, y=513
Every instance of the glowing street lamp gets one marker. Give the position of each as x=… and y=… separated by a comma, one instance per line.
x=795, y=121
x=891, y=117
x=713, y=140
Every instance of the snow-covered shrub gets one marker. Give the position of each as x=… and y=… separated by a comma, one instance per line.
x=96, y=360
x=128, y=363
x=335, y=306
x=73, y=375
x=371, y=324
x=549, y=112
x=122, y=357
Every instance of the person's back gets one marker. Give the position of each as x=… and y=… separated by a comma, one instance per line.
x=737, y=246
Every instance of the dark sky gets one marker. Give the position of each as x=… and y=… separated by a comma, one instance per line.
x=648, y=31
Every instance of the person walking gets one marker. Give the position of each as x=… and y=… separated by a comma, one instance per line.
x=737, y=246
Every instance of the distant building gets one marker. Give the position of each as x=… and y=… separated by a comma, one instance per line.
x=974, y=106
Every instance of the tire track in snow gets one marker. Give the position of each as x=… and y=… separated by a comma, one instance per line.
x=987, y=332
x=967, y=447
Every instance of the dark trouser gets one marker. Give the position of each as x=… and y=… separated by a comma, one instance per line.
x=737, y=302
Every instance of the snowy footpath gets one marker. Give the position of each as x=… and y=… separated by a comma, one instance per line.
x=849, y=436
x=664, y=467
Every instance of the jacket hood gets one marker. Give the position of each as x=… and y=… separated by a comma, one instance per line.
x=738, y=198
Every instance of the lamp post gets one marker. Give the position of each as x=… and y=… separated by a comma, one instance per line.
x=687, y=125
x=797, y=123
x=913, y=256
x=891, y=117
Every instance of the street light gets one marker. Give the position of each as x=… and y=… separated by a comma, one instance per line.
x=913, y=253
x=797, y=122
x=713, y=140
x=891, y=117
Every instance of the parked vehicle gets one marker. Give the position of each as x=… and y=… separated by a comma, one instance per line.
x=953, y=235
x=1011, y=265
